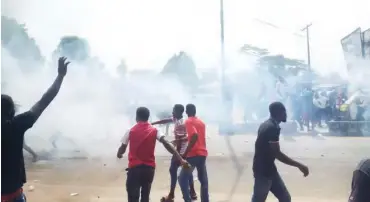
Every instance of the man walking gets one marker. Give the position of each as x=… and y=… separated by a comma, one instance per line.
x=196, y=154
x=180, y=142
x=141, y=167
x=267, y=149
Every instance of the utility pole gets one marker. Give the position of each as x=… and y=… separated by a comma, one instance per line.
x=306, y=28
x=223, y=62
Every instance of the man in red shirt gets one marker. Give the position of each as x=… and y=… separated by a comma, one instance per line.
x=181, y=143
x=142, y=138
x=196, y=154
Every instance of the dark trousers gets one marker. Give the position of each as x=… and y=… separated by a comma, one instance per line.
x=263, y=185
x=198, y=162
x=139, y=178
x=360, y=187
x=175, y=164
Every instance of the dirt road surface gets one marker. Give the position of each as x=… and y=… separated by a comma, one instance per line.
x=331, y=161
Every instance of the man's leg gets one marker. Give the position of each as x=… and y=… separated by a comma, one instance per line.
x=193, y=193
x=200, y=163
x=279, y=189
x=147, y=175
x=261, y=188
x=185, y=175
x=173, y=173
x=133, y=184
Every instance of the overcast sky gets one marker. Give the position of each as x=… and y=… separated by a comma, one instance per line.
x=147, y=32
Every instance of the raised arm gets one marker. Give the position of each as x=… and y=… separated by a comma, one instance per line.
x=53, y=90
x=163, y=121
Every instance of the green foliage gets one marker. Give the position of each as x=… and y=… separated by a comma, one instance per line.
x=277, y=65
x=183, y=67
x=15, y=39
x=74, y=48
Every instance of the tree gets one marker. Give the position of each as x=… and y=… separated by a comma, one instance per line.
x=15, y=38
x=74, y=48
x=278, y=65
x=183, y=67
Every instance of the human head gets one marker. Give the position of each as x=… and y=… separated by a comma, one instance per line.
x=142, y=114
x=7, y=107
x=178, y=110
x=278, y=111
x=191, y=110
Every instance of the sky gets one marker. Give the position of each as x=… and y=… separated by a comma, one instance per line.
x=147, y=32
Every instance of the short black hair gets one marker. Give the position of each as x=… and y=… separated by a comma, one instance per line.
x=142, y=114
x=7, y=106
x=191, y=109
x=276, y=108
x=179, y=108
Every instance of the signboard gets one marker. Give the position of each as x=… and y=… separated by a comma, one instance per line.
x=366, y=43
x=352, y=47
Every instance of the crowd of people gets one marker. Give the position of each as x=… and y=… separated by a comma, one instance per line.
x=189, y=152
x=311, y=105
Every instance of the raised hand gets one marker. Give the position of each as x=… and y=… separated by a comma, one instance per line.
x=62, y=66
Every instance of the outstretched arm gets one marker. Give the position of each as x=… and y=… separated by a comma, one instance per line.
x=50, y=94
x=163, y=121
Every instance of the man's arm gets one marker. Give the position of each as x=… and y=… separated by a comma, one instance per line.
x=124, y=143
x=163, y=121
x=172, y=150
x=192, y=137
x=275, y=147
x=50, y=94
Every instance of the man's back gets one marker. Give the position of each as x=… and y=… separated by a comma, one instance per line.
x=12, y=136
x=264, y=160
x=142, y=139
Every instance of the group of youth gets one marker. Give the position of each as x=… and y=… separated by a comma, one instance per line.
x=188, y=149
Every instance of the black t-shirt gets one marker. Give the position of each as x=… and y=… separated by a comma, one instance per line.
x=364, y=166
x=264, y=159
x=13, y=174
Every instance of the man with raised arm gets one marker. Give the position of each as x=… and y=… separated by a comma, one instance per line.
x=267, y=149
x=13, y=128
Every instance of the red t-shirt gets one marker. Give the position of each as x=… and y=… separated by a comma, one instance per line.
x=196, y=126
x=142, y=140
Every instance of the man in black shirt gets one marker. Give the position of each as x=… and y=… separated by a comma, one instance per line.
x=267, y=149
x=361, y=182
x=13, y=174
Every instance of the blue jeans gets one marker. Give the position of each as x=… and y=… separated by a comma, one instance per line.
x=198, y=162
x=263, y=185
x=20, y=198
x=173, y=173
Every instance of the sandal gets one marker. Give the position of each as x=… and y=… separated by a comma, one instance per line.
x=193, y=196
x=167, y=199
